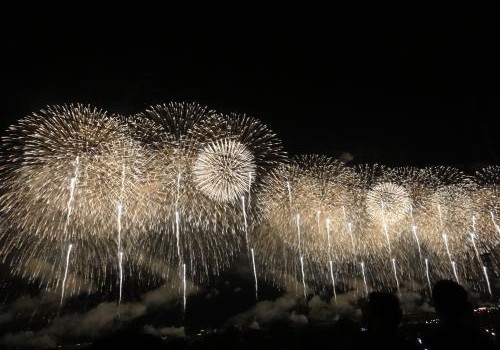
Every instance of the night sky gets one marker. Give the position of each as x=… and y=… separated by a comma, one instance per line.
x=417, y=88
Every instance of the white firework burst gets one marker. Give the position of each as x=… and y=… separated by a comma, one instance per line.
x=224, y=170
x=388, y=202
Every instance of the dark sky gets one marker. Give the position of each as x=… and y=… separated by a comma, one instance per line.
x=408, y=88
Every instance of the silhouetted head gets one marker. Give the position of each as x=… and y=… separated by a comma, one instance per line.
x=382, y=313
x=451, y=300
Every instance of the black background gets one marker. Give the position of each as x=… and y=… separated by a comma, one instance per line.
x=409, y=87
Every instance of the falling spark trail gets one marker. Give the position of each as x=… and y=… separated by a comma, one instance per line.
x=255, y=275
x=428, y=276
x=249, y=187
x=386, y=232
x=349, y=227
x=289, y=188
x=297, y=221
x=120, y=209
x=386, y=229
x=364, y=277
x=177, y=236
x=301, y=256
x=184, y=300
x=478, y=256
x=330, y=262
x=120, y=253
x=318, y=222
x=473, y=240
x=70, y=247
x=120, y=265
x=485, y=271
x=177, y=218
x=414, y=230
x=119, y=212
x=182, y=265
x=178, y=187
x=72, y=187
x=333, y=281
x=245, y=222
x=440, y=214
x=494, y=222
x=303, y=276
x=328, y=235
x=454, y=266
x=445, y=238
x=396, y=275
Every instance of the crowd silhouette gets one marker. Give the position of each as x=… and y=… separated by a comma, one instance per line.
x=458, y=326
x=382, y=314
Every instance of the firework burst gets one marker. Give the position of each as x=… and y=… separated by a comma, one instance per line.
x=224, y=170
x=90, y=200
x=62, y=171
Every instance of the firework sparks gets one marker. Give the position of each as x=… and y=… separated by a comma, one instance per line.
x=180, y=186
x=224, y=170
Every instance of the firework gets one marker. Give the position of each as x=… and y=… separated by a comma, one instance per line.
x=62, y=172
x=224, y=170
x=265, y=147
x=387, y=203
x=402, y=224
x=206, y=167
x=183, y=228
x=91, y=200
x=303, y=205
x=487, y=199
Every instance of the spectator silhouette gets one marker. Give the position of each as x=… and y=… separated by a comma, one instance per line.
x=458, y=327
x=381, y=316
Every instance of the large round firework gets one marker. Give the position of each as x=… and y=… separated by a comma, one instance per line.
x=444, y=223
x=224, y=170
x=251, y=137
x=169, y=123
x=381, y=218
x=302, y=225
x=65, y=170
x=412, y=245
x=185, y=225
x=388, y=203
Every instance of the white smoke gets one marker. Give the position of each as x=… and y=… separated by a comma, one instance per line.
x=102, y=319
